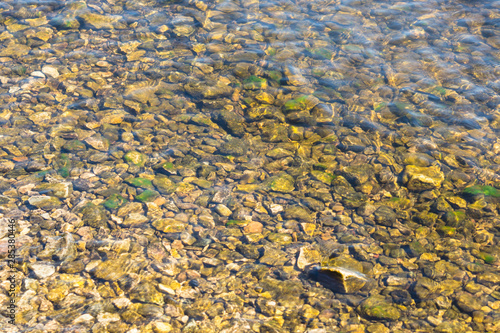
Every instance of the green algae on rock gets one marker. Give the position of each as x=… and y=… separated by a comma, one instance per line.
x=94, y=216
x=140, y=182
x=114, y=201
x=147, y=196
x=376, y=307
x=135, y=158
x=482, y=189
x=280, y=183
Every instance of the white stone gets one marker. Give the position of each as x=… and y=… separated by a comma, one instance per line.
x=38, y=74
x=50, y=71
x=83, y=319
x=43, y=270
x=275, y=208
x=121, y=302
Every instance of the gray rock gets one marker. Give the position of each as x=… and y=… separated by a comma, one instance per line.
x=385, y=216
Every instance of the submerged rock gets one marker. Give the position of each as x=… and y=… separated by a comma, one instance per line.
x=339, y=279
x=422, y=178
x=376, y=307
x=281, y=183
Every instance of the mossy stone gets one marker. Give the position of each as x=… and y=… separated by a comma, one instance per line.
x=377, y=308
x=94, y=216
x=147, y=196
x=140, y=182
x=135, y=158
x=74, y=146
x=324, y=177
x=254, y=83
x=281, y=183
x=305, y=102
x=482, y=189
x=114, y=201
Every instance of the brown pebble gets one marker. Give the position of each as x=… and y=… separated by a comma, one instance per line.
x=253, y=228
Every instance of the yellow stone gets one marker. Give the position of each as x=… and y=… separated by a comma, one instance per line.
x=161, y=327
x=175, y=254
x=44, y=34
x=260, y=209
x=429, y=256
x=199, y=48
x=136, y=55
x=308, y=228
x=36, y=22
x=247, y=187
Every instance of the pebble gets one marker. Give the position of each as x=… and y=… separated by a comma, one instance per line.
x=50, y=71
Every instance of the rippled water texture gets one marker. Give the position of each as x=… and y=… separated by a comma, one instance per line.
x=249, y=166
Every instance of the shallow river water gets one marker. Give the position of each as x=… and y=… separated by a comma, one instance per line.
x=249, y=166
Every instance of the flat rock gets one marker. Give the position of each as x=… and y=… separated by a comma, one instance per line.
x=377, y=308
x=115, y=269
x=44, y=202
x=42, y=271
x=422, y=178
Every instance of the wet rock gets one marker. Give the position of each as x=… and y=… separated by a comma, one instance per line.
x=97, y=21
x=308, y=255
x=146, y=293
x=94, y=216
x=422, y=178
x=273, y=257
x=42, y=271
x=231, y=122
x=385, y=216
x=115, y=269
x=60, y=190
x=281, y=183
x=377, y=308
x=234, y=146
x=98, y=142
x=280, y=238
x=253, y=227
x=134, y=220
x=297, y=213
x=45, y=202
x=358, y=174
x=169, y=225
x=249, y=251
x=135, y=158
x=339, y=279
x=468, y=302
